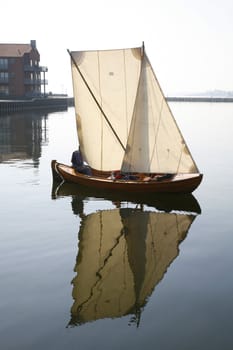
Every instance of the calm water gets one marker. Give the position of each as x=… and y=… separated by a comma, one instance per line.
x=79, y=272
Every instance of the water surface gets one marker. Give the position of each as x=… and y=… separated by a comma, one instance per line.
x=84, y=272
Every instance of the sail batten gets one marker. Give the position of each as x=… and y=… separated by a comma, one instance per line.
x=128, y=125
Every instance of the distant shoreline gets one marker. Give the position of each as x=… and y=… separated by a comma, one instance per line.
x=199, y=99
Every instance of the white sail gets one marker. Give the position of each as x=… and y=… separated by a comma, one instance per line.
x=140, y=133
x=112, y=77
x=155, y=143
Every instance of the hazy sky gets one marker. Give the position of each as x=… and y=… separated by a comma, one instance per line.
x=189, y=42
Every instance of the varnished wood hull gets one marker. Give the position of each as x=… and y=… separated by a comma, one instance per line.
x=180, y=183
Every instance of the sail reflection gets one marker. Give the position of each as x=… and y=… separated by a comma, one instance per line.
x=123, y=254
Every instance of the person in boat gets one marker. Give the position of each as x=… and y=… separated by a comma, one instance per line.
x=78, y=163
x=118, y=175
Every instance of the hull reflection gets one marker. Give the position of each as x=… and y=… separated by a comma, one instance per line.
x=164, y=202
x=123, y=254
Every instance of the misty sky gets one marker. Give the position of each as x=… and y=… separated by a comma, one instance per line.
x=189, y=42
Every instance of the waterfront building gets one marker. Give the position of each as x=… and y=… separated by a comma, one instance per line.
x=21, y=75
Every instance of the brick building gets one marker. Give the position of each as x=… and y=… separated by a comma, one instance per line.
x=20, y=73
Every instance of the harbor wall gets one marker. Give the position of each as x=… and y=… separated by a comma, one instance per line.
x=53, y=103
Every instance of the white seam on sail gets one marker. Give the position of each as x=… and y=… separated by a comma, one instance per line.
x=126, y=99
x=100, y=102
x=181, y=152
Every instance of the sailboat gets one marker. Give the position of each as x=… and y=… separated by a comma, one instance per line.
x=126, y=131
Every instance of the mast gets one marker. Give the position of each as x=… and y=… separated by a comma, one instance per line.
x=143, y=48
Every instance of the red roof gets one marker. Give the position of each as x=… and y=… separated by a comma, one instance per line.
x=14, y=50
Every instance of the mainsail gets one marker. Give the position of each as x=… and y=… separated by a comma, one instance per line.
x=126, y=91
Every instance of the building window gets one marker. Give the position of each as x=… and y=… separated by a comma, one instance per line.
x=4, y=77
x=3, y=63
x=4, y=90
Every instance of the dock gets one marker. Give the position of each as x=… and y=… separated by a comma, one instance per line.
x=49, y=103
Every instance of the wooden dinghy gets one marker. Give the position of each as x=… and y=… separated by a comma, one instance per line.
x=124, y=122
x=177, y=183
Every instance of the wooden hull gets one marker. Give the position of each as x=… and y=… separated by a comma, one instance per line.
x=180, y=183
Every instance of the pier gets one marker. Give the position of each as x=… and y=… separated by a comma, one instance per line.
x=48, y=103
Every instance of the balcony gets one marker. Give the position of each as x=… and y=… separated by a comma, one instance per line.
x=35, y=81
x=44, y=69
x=37, y=69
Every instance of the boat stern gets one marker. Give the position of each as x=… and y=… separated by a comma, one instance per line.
x=55, y=173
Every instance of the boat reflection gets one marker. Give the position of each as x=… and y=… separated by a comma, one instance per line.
x=123, y=253
x=164, y=202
